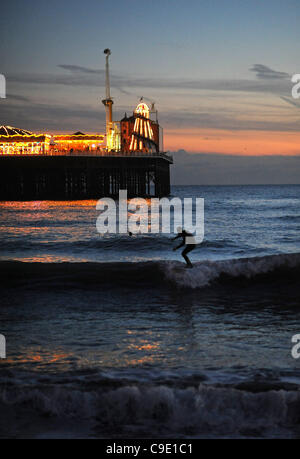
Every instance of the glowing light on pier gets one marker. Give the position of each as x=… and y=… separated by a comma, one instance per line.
x=14, y=141
x=142, y=138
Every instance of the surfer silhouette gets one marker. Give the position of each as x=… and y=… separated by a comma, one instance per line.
x=189, y=241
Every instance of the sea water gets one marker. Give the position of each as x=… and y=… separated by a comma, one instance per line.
x=110, y=336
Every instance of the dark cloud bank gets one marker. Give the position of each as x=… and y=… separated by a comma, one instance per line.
x=266, y=73
x=267, y=80
x=217, y=169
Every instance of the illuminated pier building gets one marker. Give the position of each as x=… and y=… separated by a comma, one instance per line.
x=77, y=142
x=139, y=132
x=14, y=141
x=129, y=156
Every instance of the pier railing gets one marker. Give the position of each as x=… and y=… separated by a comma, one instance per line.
x=103, y=153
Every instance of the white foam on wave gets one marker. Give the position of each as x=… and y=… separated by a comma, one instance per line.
x=164, y=410
x=205, y=272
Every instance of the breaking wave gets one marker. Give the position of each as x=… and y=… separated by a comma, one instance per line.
x=208, y=272
x=132, y=408
x=205, y=273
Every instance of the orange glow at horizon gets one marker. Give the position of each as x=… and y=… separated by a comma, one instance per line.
x=240, y=143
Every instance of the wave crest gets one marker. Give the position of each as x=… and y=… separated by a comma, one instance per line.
x=154, y=274
x=198, y=411
x=206, y=272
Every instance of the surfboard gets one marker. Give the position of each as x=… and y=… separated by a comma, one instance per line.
x=180, y=269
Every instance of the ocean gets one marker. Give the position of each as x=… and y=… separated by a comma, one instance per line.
x=109, y=336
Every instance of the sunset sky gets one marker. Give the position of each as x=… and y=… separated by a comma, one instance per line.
x=219, y=72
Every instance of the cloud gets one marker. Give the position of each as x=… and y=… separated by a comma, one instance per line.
x=84, y=76
x=17, y=109
x=233, y=120
x=266, y=73
x=98, y=72
x=207, y=115
x=65, y=80
x=52, y=117
x=17, y=98
x=80, y=69
x=76, y=76
x=291, y=101
x=216, y=169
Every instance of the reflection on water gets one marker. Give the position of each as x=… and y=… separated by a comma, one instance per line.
x=39, y=357
x=53, y=329
x=239, y=221
x=41, y=205
x=75, y=324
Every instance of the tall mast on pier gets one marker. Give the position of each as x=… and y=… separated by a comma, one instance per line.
x=108, y=103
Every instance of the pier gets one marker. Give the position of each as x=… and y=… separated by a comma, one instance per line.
x=40, y=166
x=81, y=176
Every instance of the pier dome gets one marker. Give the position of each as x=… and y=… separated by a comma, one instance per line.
x=10, y=131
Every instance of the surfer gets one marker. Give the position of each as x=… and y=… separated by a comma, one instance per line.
x=188, y=240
